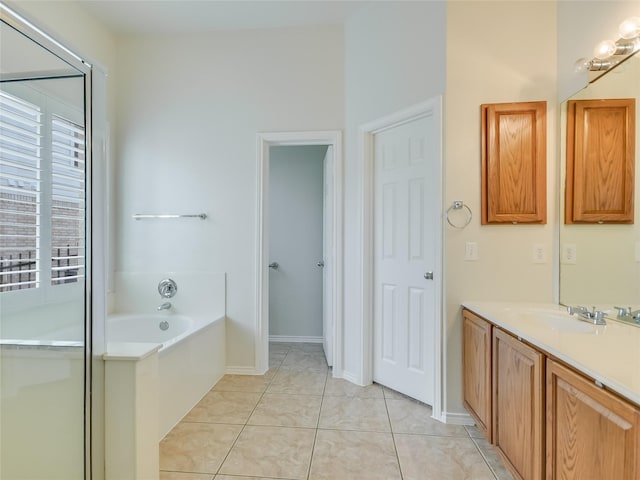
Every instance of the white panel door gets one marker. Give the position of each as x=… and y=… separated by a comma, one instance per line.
x=327, y=250
x=406, y=189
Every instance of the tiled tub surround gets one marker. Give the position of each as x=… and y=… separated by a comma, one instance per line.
x=609, y=353
x=297, y=422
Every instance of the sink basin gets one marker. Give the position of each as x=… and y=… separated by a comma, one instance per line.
x=560, y=322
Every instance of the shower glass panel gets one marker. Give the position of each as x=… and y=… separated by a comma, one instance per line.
x=44, y=267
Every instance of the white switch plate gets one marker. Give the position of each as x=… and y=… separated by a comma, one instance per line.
x=539, y=253
x=569, y=254
x=471, y=251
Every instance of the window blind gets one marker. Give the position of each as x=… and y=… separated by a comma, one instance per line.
x=67, y=201
x=20, y=189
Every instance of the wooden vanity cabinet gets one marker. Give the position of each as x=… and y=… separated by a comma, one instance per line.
x=591, y=433
x=476, y=364
x=518, y=406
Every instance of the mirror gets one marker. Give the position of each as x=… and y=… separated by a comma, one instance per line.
x=600, y=263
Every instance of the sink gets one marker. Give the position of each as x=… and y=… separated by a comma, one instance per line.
x=559, y=322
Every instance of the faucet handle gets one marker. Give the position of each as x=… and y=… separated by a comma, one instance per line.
x=623, y=311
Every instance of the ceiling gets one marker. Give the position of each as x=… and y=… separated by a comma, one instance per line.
x=181, y=16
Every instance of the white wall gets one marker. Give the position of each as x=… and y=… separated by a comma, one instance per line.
x=295, y=240
x=394, y=58
x=189, y=108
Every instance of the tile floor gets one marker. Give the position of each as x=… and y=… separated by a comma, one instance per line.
x=297, y=422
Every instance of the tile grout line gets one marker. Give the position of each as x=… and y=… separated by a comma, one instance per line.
x=484, y=458
x=393, y=437
x=247, y=420
x=315, y=436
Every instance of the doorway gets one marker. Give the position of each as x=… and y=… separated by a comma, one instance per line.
x=327, y=266
x=402, y=249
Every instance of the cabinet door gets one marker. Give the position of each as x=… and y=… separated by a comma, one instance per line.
x=476, y=373
x=518, y=406
x=591, y=434
x=514, y=163
x=600, y=161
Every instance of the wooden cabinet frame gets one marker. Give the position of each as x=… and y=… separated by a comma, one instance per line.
x=514, y=163
x=600, y=161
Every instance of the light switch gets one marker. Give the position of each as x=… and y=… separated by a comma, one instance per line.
x=471, y=251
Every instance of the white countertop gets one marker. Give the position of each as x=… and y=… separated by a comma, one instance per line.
x=608, y=353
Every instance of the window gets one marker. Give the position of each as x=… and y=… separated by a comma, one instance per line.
x=42, y=195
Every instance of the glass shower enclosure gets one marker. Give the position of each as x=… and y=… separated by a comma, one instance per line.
x=45, y=308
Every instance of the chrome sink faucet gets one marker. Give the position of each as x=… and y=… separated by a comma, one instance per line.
x=625, y=313
x=594, y=316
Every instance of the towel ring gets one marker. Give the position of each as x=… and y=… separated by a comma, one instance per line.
x=458, y=205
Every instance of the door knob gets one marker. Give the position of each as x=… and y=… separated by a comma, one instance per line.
x=320, y=264
x=274, y=265
x=428, y=276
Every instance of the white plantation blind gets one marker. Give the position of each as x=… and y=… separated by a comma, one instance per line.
x=20, y=189
x=67, y=201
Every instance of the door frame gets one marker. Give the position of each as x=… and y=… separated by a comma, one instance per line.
x=366, y=133
x=264, y=142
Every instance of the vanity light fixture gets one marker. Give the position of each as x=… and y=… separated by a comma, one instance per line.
x=608, y=53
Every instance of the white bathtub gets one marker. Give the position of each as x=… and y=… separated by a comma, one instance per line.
x=149, y=393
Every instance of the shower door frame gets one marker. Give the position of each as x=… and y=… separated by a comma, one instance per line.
x=30, y=30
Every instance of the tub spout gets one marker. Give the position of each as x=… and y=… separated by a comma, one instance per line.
x=164, y=306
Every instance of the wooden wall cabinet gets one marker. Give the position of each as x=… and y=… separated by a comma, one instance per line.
x=600, y=161
x=591, y=434
x=518, y=406
x=476, y=361
x=514, y=157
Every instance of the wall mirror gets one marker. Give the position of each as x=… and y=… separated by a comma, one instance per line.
x=600, y=263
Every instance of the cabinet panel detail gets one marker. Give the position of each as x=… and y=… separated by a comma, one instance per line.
x=476, y=360
x=518, y=406
x=591, y=434
x=600, y=161
x=514, y=157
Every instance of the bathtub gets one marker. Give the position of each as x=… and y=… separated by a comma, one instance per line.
x=191, y=357
x=154, y=377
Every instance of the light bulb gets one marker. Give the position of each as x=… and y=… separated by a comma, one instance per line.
x=605, y=49
x=582, y=65
x=630, y=28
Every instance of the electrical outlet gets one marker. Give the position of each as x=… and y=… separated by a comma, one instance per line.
x=570, y=254
x=539, y=253
x=471, y=251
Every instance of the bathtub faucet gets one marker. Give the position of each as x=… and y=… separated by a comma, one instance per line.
x=164, y=306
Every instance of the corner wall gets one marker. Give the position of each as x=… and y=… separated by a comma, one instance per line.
x=496, y=52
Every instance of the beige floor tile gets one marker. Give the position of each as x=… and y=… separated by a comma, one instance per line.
x=236, y=477
x=410, y=416
x=242, y=383
x=473, y=431
x=354, y=456
x=337, y=387
x=276, y=359
x=424, y=457
x=388, y=393
x=294, y=382
x=307, y=347
x=184, y=476
x=305, y=361
x=224, y=407
x=269, y=374
x=197, y=447
x=279, y=347
x=351, y=413
x=271, y=452
x=491, y=457
x=284, y=410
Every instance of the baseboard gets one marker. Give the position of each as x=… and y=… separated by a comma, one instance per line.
x=240, y=371
x=350, y=377
x=457, y=418
x=291, y=339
